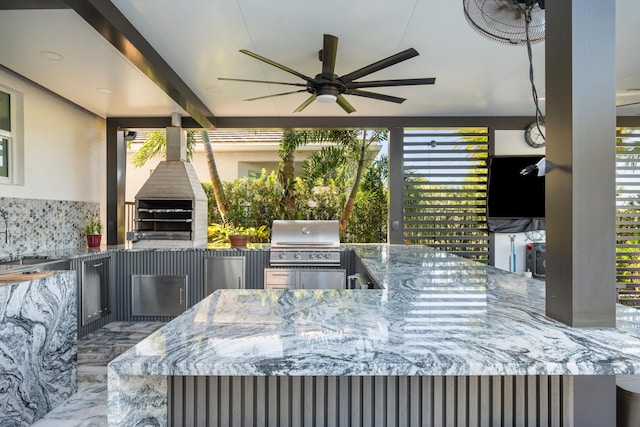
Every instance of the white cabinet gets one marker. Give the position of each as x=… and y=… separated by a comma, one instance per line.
x=292, y=278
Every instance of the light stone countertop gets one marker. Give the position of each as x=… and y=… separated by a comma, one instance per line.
x=437, y=314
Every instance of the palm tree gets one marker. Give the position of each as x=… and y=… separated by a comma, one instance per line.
x=343, y=159
x=292, y=140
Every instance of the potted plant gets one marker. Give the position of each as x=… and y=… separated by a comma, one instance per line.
x=238, y=237
x=93, y=231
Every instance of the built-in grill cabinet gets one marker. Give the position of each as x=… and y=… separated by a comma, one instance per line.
x=164, y=219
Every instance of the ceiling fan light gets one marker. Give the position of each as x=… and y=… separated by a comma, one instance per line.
x=326, y=98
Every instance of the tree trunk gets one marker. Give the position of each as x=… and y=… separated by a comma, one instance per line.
x=216, y=183
x=348, y=207
x=287, y=180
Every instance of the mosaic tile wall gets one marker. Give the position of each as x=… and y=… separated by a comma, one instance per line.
x=34, y=226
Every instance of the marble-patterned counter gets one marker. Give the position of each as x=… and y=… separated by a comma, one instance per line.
x=38, y=347
x=437, y=315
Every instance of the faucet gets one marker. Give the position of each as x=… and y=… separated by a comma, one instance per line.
x=4, y=216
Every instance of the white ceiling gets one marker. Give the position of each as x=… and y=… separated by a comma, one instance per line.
x=200, y=40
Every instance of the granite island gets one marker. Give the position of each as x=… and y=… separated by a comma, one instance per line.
x=446, y=341
x=38, y=347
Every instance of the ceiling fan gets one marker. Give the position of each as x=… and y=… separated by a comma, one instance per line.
x=328, y=87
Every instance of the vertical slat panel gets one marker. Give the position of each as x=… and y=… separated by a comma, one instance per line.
x=284, y=396
x=368, y=395
x=237, y=397
x=462, y=401
x=415, y=401
x=486, y=407
x=261, y=401
x=213, y=409
x=555, y=402
x=428, y=403
x=370, y=401
x=439, y=401
x=297, y=401
x=533, y=404
x=309, y=401
x=356, y=400
x=201, y=401
x=519, y=398
x=272, y=401
x=544, y=400
x=189, y=396
x=344, y=402
x=224, y=405
x=332, y=399
x=450, y=401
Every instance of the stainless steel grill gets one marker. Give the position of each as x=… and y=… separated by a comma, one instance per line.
x=305, y=243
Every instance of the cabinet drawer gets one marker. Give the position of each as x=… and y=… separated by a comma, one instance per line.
x=276, y=276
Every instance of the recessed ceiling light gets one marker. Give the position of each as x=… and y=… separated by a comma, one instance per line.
x=50, y=55
x=104, y=90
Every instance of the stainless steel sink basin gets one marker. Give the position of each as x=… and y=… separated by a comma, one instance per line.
x=34, y=263
x=28, y=261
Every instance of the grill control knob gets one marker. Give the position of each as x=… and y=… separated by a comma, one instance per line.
x=297, y=256
x=312, y=256
x=327, y=255
x=282, y=255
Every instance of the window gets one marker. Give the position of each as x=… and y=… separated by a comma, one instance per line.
x=5, y=134
x=9, y=142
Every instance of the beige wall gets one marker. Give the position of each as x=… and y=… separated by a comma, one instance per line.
x=64, y=148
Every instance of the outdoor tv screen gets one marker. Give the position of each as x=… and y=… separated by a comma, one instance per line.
x=511, y=195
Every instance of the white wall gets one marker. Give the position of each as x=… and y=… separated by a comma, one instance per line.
x=64, y=148
x=512, y=143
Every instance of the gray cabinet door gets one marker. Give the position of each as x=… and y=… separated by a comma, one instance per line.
x=94, y=291
x=223, y=273
x=153, y=295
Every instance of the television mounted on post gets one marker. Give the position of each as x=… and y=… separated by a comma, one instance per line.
x=515, y=201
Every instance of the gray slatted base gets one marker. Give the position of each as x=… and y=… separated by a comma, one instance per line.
x=371, y=401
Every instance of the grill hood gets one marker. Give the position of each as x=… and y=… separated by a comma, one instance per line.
x=162, y=204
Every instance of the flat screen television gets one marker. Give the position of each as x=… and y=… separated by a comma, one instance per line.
x=515, y=202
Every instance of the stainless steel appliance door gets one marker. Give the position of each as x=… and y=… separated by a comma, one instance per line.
x=321, y=279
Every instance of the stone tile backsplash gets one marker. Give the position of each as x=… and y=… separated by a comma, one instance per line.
x=34, y=226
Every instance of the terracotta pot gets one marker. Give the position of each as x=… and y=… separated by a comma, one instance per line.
x=238, y=240
x=93, y=240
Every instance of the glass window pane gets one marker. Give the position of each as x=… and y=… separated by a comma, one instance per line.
x=5, y=111
x=4, y=158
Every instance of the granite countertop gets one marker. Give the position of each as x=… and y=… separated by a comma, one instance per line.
x=437, y=314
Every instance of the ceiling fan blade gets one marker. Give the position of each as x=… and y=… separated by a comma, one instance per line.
x=397, y=82
x=629, y=104
x=377, y=96
x=341, y=101
x=383, y=63
x=276, y=94
x=305, y=104
x=329, y=52
x=262, y=81
x=275, y=64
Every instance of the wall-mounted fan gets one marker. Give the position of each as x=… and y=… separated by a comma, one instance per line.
x=328, y=87
x=514, y=22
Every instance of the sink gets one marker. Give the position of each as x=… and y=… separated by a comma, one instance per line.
x=33, y=263
x=29, y=260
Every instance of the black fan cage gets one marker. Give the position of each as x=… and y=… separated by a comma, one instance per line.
x=504, y=21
